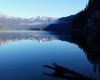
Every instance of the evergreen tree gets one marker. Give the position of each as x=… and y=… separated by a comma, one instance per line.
x=81, y=20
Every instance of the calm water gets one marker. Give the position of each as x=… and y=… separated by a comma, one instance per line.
x=22, y=55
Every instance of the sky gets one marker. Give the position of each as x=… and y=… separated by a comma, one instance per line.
x=49, y=8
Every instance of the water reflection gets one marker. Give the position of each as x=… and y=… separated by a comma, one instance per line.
x=90, y=44
x=52, y=51
x=38, y=36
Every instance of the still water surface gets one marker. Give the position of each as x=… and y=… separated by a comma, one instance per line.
x=22, y=55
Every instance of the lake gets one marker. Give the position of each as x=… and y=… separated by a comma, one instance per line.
x=23, y=54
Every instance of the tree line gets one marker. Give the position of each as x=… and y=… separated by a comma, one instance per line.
x=80, y=19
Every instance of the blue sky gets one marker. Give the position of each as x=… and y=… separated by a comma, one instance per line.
x=49, y=8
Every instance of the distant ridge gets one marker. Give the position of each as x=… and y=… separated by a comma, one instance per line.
x=3, y=15
x=11, y=22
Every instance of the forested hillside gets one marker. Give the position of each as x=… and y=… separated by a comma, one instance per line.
x=91, y=11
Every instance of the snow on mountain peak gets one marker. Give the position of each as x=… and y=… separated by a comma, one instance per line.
x=3, y=15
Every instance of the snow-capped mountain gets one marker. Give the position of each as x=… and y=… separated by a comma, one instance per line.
x=41, y=18
x=21, y=23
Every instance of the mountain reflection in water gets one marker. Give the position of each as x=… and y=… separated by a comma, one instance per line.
x=38, y=36
x=88, y=43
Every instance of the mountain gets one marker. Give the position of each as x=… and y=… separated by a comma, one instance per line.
x=62, y=24
x=25, y=23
